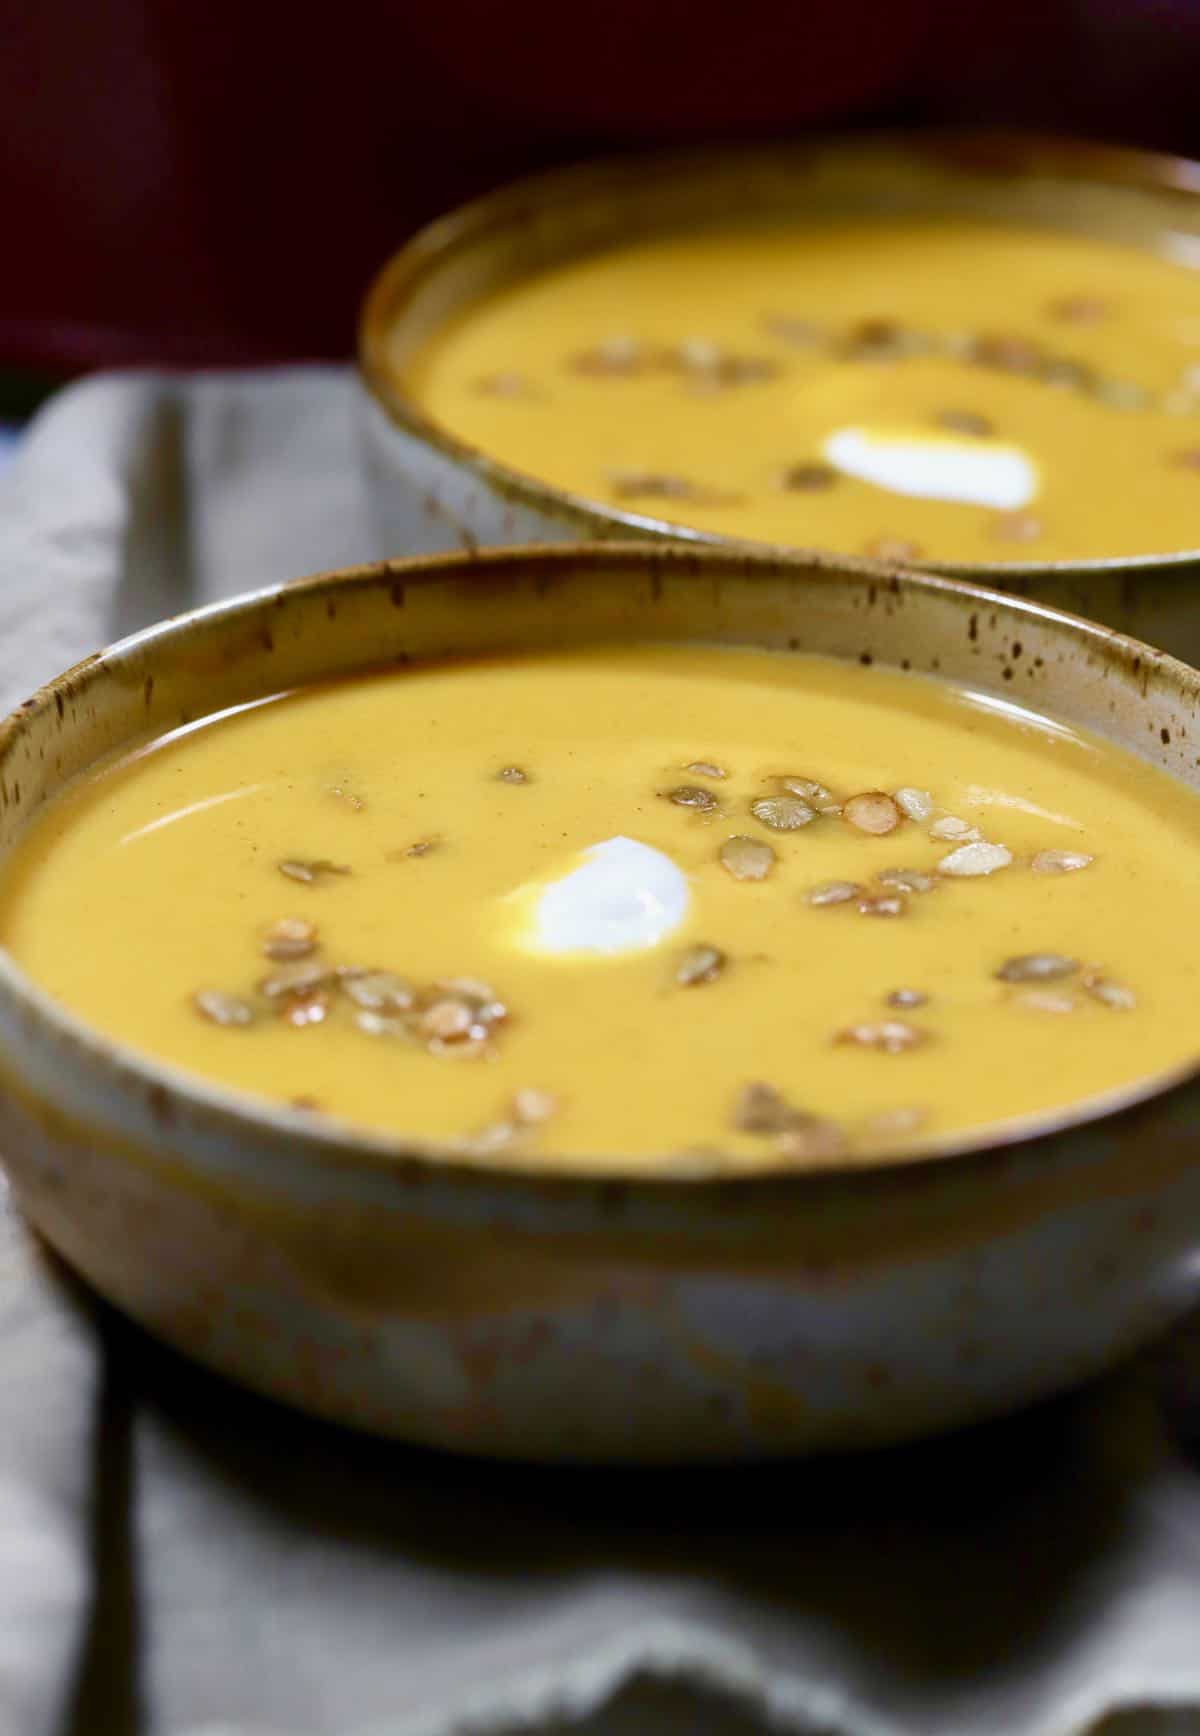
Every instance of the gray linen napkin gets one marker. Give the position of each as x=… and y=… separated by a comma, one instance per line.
x=181, y=1559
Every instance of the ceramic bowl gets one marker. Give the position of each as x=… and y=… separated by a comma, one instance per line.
x=432, y=492
x=544, y=1314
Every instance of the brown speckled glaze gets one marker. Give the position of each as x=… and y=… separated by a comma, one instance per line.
x=538, y=1313
x=432, y=492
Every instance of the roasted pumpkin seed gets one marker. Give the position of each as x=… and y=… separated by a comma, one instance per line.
x=906, y=999
x=691, y=796
x=833, y=892
x=873, y=812
x=888, y=1036
x=1060, y=861
x=309, y=871
x=379, y=991
x=882, y=904
x=975, y=859
x=222, y=1009
x=1109, y=993
x=700, y=964
x=1036, y=967
x=782, y=813
x=291, y=937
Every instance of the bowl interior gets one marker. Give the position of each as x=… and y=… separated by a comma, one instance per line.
x=461, y=260
x=341, y=624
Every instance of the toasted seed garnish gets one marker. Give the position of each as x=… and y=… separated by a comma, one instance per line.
x=811, y=1139
x=874, y=340
x=974, y=859
x=513, y=775
x=691, y=796
x=468, y=988
x=307, y=872
x=1048, y=1000
x=291, y=937
x=746, y=858
x=473, y=1047
x=965, y=422
x=496, y=1136
x=1108, y=992
x=763, y=1110
x=894, y=1123
x=1060, y=861
x=708, y=366
x=896, y=550
x=907, y=998
x=651, y=484
x=700, y=964
x=907, y=879
x=950, y=826
x=1078, y=309
x=1068, y=374
x=381, y=1024
x=700, y=354
x=807, y=478
x=620, y=355
x=307, y=1009
x=295, y=979
x=747, y=370
x=759, y=1108
x=1036, y=967
x=833, y=892
x=481, y=1000
x=790, y=330
x=1016, y=526
x=531, y=1107
x=889, y=1036
x=706, y=769
x=1121, y=394
x=873, y=812
x=506, y=384
x=448, y=1020
x=782, y=813
x=1008, y=352
x=809, y=790
x=379, y=991
x=882, y=904
x=915, y=804
x=222, y=1009
x=654, y=485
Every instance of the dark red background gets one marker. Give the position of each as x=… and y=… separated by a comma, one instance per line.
x=215, y=180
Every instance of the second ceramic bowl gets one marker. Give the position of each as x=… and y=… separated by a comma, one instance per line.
x=431, y=492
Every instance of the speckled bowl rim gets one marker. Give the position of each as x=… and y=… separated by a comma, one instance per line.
x=328, y=1138
x=986, y=150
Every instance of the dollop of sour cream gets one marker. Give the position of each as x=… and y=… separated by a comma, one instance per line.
x=618, y=896
x=936, y=466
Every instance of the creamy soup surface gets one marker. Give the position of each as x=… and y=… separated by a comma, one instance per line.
x=638, y=902
x=947, y=391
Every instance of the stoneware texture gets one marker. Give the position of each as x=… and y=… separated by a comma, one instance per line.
x=644, y=1316
x=431, y=492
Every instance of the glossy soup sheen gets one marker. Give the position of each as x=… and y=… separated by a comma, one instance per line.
x=445, y=800
x=941, y=390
